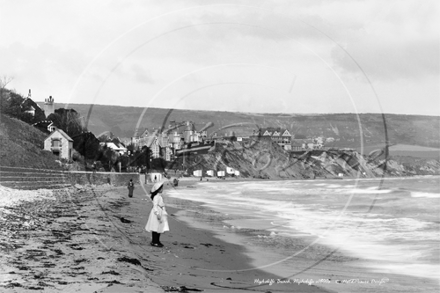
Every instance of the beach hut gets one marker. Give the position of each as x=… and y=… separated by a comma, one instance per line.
x=197, y=173
x=237, y=173
x=220, y=173
x=230, y=170
x=210, y=172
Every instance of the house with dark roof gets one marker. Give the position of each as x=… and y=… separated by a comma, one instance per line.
x=159, y=145
x=280, y=136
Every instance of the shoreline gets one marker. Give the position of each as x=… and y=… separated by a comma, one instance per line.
x=94, y=240
x=334, y=264
x=108, y=251
x=196, y=258
x=193, y=180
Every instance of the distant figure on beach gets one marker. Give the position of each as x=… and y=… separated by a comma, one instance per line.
x=157, y=221
x=155, y=178
x=130, y=187
x=142, y=175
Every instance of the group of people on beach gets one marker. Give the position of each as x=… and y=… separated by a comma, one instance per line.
x=157, y=221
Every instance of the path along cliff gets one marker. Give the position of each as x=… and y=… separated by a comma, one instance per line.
x=267, y=160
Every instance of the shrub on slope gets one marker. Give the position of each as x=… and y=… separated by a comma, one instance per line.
x=22, y=145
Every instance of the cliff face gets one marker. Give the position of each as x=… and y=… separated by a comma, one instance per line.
x=265, y=159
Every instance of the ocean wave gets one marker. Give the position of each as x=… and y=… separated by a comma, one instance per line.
x=424, y=194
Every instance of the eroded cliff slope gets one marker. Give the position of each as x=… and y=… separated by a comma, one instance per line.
x=265, y=159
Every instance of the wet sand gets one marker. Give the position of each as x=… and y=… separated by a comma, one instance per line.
x=94, y=241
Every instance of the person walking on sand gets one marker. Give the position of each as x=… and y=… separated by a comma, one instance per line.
x=130, y=187
x=157, y=221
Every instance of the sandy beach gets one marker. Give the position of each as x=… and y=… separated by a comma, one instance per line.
x=70, y=242
x=92, y=239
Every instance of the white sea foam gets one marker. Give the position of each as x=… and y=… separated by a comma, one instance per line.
x=425, y=194
x=371, y=190
x=410, y=269
x=379, y=240
x=317, y=210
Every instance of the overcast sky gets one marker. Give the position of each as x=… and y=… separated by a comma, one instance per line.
x=290, y=56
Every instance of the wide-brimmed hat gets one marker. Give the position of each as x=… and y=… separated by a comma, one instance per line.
x=156, y=186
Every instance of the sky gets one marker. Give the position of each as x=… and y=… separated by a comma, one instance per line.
x=292, y=56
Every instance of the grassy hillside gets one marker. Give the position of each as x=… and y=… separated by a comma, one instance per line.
x=22, y=145
x=403, y=150
x=347, y=129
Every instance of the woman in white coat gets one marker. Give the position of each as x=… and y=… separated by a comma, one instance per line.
x=157, y=221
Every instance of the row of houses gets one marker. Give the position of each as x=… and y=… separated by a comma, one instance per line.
x=286, y=140
x=165, y=144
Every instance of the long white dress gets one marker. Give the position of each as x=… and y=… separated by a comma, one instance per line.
x=153, y=224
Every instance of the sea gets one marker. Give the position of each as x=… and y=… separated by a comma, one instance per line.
x=348, y=235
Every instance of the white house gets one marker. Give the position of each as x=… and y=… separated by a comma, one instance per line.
x=175, y=140
x=59, y=143
x=118, y=148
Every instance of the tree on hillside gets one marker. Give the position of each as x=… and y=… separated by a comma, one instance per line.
x=110, y=157
x=4, y=81
x=87, y=145
x=140, y=157
x=131, y=148
x=148, y=153
x=158, y=164
x=125, y=162
x=5, y=95
x=68, y=120
x=56, y=120
x=10, y=103
x=16, y=106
